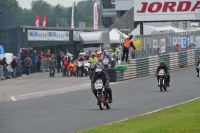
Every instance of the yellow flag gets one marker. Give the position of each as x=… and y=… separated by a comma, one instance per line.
x=138, y=44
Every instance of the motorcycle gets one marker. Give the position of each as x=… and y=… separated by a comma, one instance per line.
x=102, y=95
x=72, y=69
x=106, y=63
x=65, y=71
x=86, y=68
x=162, y=80
x=92, y=69
x=80, y=66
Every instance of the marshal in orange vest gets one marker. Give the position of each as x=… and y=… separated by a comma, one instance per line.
x=127, y=42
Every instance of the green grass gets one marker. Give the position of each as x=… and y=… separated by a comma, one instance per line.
x=184, y=118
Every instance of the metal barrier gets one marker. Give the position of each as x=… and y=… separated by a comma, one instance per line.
x=165, y=43
x=1, y=73
x=147, y=66
x=44, y=64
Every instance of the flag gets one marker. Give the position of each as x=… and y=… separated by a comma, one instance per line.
x=37, y=21
x=57, y=25
x=72, y=20
x=44, y=21
x=95, y=16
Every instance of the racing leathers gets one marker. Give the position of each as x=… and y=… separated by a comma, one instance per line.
x=166, y=69
x=105, y=78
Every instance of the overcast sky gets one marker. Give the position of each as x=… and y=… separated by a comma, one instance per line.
x=65, y=3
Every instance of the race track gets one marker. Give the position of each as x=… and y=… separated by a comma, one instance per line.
x=77, y=110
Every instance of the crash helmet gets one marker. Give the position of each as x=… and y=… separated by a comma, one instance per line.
x=162, y=63
x=98, y=70
x=93, y=55
x=80, y=54
x=131, y=36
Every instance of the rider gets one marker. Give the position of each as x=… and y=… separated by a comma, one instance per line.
x=197, y=67
x=81, y=59
x=100, y=74
x=93, y=59
x=66, y=63
x=166, y=69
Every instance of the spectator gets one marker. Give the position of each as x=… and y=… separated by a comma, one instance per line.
x=4, y=64
x=40, y=56
x=48, y=54
x=35, y=59
x=59, y=59
x=52, y=64
x=14, y=66
x=27, y=63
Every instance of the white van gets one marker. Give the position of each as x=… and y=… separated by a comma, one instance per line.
x=9, y=57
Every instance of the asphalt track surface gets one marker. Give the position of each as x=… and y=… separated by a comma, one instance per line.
x=77, y=110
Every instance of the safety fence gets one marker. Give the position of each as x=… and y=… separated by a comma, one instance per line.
x=166, y=42
x=1, y=73
x=44, y=64
x=147, y=66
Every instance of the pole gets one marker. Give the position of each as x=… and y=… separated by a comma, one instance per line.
x=141, y=28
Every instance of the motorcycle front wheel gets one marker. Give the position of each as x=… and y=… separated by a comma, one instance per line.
x=161, y=84
x=100, y=102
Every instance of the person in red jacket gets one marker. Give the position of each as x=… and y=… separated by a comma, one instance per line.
x=48, y=54
x=66, y=64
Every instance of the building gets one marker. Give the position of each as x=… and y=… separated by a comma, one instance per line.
x=114, y=9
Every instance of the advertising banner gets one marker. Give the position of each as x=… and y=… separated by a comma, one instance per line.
x=42, y=35
x=95, y=16
x=161, y=10
x=184, y=42
x=170, y=42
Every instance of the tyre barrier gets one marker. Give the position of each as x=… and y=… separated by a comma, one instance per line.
x=112, y=73
x=147, y=66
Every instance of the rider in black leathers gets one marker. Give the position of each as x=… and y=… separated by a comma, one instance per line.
x=166, y=69
x=197, y=67
x=100, y=74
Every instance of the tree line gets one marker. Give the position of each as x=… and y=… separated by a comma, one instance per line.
x=14, y=15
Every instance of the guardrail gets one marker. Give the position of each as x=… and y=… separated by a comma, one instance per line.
x=147, y=66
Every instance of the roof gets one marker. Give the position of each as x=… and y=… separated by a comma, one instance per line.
x=150, y=29
x=115, y=36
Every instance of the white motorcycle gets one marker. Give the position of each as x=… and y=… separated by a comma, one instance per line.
x=106, y=63
x=86, y=68
x=102, y=95
x=162, y=79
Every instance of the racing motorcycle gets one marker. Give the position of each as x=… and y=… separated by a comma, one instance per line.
x=86, y=68
x=92, y=69
x=79, y=68
x=162, y=80
x=72, y=69
x=106, y=63
x=102, y=95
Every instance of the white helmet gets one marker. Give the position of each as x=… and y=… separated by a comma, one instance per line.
x=80, y=54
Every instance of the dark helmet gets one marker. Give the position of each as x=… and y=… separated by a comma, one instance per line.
x=98, y=69
x=131, y=36
x=162, y=63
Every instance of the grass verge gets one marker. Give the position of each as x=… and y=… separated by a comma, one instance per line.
x=184, y=118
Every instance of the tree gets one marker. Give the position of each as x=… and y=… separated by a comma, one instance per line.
x=10, y=16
